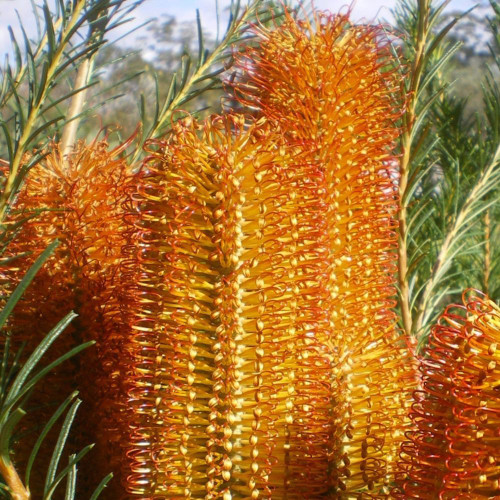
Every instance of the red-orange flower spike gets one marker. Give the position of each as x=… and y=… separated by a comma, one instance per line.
x=454, y=449
x=81, y=202
x=324, y=84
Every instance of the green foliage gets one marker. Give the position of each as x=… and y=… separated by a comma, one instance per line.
x=17, y=383
x=450, y=176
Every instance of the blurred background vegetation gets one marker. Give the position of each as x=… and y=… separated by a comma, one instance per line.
x=160, y=49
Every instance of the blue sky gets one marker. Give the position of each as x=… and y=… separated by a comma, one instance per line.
x=184, y=10
x=363, y=9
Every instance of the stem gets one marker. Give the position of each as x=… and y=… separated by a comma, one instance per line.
x=199, y=73
x=487, y=251
x=22, y=70
x=406, y=145
x=11, y=478
x=77, y=102
x=35, y=111
x=473, y=196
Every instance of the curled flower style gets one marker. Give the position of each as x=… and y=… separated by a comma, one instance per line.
x=453, y=450
x=327, y=86
x=78, y=200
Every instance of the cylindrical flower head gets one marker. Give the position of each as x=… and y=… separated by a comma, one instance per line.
x=231, y=384
x=453, y=450
x=327, y=86
x=78, y=200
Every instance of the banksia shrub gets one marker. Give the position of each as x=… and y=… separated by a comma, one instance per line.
x=237, y=273
x=80, y=201
x=453, y=450
x=266, y=360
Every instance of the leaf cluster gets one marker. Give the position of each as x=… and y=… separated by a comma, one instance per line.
x=18, y=380
x=450, y=171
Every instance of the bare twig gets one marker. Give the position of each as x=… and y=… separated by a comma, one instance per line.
x=77, y=102
x=487, y=252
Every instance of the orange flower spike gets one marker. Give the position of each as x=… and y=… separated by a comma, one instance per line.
x=183, y=397
x=81, y=204
x=230, y=391
x=323, y=83
x=454, y=449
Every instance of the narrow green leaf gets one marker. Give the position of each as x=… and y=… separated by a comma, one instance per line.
x=36, y=355
x=5, y=362
x=27, y=279
x=209, y=76
x=77, y=57
x=71, y=481
x=49, y=29
x=14, y=367
x=42, y=82
x=59, y=447
x=8, y=140
x=43, y=128
x=201, y=48
x=440, y=36
x=6, y=431
x=48, y=426
x=422, y=115
x=17, y=50
x=172, y=91
x=33, y=381
x=36, y=16
x=438, y=65
x=185, y=65
x=101, y=486
x=66, y=470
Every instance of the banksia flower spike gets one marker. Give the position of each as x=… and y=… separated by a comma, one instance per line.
x=78, y=200
x=231, y=391
x=327, y=85
x=454, y=449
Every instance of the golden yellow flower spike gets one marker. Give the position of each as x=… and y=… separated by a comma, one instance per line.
x=231, y=394
x=81, y=202
x=326, y=84
x=454, y=448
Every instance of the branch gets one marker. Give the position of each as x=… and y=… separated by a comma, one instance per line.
x=77, y=102
x=202, y=73
x=456, y=230
x=487, y=252
x=13, y=481
x=409, y=118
